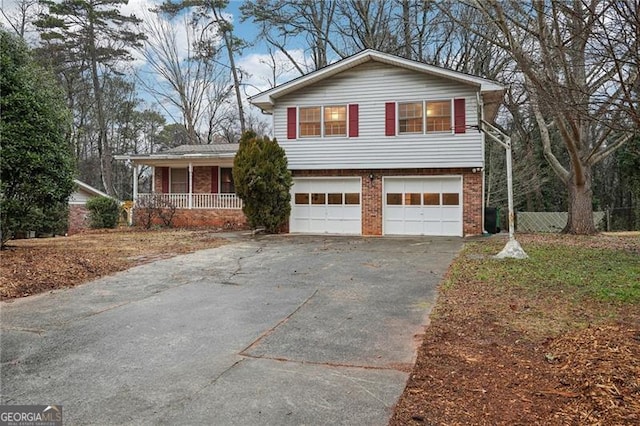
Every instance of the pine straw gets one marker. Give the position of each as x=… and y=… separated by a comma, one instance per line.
x=601, y=365
x=37, y=265
x=501, y=354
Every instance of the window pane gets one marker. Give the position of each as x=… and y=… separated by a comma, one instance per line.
x=352, y=198
x=310, y=129
x=450, y=199
x=410, y=117
x=317, y=198
x=335, y=121
x=439, y=116
x=226, y=181
x=301, y=198
x=310, y=121
x=394, y=199
x=431, y=199
x=179, y=181
x=411, y=199
x=334, y=198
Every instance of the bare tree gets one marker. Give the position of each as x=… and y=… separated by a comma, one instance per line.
x=187, y=78
x=25, y=13
x=579, y=61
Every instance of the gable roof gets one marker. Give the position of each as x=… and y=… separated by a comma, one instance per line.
x=90, y=189
x=214, y=150
x=266, y=99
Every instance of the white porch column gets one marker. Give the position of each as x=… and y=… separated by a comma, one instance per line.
x=136, y=171
x=190, y=185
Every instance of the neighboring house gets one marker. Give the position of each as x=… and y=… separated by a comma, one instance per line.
x=78, y=213
x=377, y=145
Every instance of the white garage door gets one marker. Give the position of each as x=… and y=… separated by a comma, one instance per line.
x=329, y=206
x=423, y=206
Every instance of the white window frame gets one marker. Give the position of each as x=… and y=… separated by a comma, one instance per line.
x=322, y=121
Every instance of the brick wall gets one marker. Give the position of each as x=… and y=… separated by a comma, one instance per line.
x=204, y=218
x=201, y=180
x=372, y=194
x=78, y=218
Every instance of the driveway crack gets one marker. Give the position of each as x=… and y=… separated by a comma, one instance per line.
x=272, y=329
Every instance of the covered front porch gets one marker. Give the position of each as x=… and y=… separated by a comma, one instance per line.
x=190, y=200
x=196, y=178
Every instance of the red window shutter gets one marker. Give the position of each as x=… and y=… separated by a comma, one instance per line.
x=390, y=119
x=291, y=123
x=459, y=116
x=165, y=179
x=214, y=179
x=353, y=121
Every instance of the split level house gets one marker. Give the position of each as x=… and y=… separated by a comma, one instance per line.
x=377, y=145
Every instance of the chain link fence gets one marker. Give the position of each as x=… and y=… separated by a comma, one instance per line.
x=551, y=221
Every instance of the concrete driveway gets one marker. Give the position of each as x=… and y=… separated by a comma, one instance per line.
x=276, y=330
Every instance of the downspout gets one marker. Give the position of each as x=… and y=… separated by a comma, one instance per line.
x=481, y=119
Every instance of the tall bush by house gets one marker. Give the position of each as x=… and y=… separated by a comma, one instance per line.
x=36, y=162
x=262, y=181
x=103, y=212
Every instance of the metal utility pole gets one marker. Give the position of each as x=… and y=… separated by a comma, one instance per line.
x=513, y=248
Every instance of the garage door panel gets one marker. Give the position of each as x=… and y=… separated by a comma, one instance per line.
x=424, y=214
x=333, y=208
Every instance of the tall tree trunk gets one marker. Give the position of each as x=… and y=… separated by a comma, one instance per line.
x=580, y=207
x=104, y=151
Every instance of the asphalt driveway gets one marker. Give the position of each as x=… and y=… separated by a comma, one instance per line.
x=276, y=330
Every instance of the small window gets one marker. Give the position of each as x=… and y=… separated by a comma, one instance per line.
x=226, y=181
x=310, y=122
x=317, y=198
x=410, y=117
x=352, y=198
x=451, y=199
x=301, y=198
x=411, y=199
x=179, y=181
x=431, y=199
x=439, y=116
x=394, y=199
x=334, y=198
x=335, y=121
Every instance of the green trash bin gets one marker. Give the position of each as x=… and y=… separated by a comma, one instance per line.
x=492, y=220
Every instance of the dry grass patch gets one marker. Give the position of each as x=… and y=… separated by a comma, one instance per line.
x=37, y=265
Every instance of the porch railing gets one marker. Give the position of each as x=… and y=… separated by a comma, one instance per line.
x=190, y=201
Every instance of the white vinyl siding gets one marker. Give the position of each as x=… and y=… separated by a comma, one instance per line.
x=370, y=86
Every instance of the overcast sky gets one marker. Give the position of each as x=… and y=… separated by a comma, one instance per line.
x=253, y=60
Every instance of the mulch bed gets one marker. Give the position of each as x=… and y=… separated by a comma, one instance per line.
x=477, y=367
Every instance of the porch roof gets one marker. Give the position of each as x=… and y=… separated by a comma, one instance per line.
x=186, y=153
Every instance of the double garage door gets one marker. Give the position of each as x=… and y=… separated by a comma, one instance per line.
x=410, y=206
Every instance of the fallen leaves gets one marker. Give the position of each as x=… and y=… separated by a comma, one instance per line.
x=38, y=265
x=504, y=355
